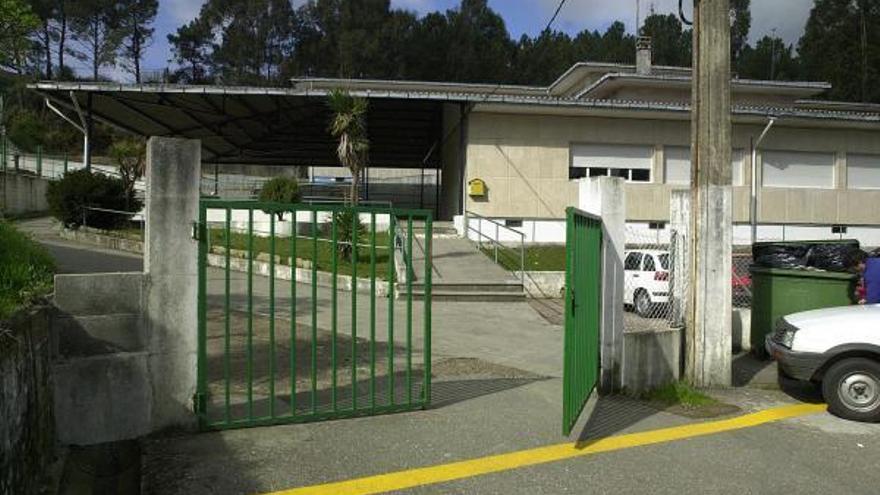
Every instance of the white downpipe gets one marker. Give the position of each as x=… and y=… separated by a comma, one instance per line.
x=753, y=206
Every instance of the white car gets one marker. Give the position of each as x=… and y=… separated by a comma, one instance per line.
x=839, y=348
x=646, y=280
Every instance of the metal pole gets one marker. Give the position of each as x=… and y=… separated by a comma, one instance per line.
x=87, y=159
x=39, y=161
x=753, y=206
x=496, y=243
x=522, y=260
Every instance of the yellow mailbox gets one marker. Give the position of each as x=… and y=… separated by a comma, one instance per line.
x=476, y=187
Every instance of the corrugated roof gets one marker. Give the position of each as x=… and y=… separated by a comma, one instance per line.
x=833, y=110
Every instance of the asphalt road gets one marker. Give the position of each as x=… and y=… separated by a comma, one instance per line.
x=72, y=258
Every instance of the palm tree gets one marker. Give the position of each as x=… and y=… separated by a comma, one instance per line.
x=349, y=126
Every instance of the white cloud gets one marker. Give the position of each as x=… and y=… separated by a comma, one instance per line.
x=420, y=6
x=182, y=11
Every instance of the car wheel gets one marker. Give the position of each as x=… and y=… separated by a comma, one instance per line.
x=643, y=304
x=852, y=389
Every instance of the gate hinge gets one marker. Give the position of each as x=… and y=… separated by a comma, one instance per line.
x=195, y=231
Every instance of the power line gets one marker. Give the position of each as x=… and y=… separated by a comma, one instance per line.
x=555, y=14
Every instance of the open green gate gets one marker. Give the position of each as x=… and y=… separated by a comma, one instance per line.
x=307, y=315
x=583, y=286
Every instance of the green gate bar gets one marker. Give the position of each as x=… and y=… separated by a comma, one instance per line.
x=583, y=299
x=256, y=397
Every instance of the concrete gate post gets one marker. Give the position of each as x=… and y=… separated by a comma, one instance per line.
x=606, y=197
x=679, y=224
x=173, y=174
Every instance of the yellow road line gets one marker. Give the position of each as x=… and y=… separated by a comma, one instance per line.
x=492, y=464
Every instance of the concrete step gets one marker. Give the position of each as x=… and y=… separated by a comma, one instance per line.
x=99, y=293
x=437, y=296
x=467, y=287
x=82, y=336
x=444, y=229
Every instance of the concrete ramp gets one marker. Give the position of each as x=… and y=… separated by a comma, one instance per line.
x=460, y=272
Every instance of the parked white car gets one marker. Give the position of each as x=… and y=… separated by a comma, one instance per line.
x=646, y=280
x=838, y=348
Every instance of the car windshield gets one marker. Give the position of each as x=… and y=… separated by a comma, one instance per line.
x=664, y=261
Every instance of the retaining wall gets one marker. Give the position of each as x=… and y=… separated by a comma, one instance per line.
x=24, y=193
x=27, y=435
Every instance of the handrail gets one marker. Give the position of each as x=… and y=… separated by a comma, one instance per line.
x=496, y=243
x=400, y=238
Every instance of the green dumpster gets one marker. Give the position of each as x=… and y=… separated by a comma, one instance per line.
x=778, y=292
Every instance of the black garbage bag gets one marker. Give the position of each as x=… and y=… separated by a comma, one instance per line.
x=833, y=257
x=782, y=255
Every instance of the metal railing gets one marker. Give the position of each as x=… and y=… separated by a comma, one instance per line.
x=121, y=217
x=495, y=241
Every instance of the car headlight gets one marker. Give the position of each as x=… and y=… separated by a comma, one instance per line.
x=784, y=333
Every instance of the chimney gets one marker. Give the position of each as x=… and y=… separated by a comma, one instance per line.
x=643, y=55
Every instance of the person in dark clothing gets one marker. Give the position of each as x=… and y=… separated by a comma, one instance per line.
x=872, y=279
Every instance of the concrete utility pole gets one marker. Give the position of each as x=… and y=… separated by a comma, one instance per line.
x=708, y=352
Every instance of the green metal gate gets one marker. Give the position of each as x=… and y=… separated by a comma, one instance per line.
x=583, y=286
x=306, y=314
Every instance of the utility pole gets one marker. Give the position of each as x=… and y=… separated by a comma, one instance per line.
x=708, y=331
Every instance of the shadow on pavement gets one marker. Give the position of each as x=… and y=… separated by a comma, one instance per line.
x=107, y=468
x=751, y=370
x=808, y=392
x=611, y=415
x=445, y=393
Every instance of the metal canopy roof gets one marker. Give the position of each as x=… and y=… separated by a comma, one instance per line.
x=288, y=126
x=261, y=126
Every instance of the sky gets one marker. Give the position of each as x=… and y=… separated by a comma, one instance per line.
x=787, y=17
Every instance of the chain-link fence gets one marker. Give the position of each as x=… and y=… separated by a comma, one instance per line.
x=647, y=268
x=656, y=278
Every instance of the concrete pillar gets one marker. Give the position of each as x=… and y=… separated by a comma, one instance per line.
x=171, y=264
x=606, y=197
x=708, y=332
x=679, y=223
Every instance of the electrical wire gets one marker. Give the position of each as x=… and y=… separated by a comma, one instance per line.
x=555, y=14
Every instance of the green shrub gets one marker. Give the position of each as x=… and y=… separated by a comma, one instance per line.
x=346, y=221
x=26, y=270
x=281, y=190
x=69, y=197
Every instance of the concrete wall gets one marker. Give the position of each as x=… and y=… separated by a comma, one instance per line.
x=103, y=387
x=525, y=158
x=652, y=358
x=27, y=435
x=127, y=342
x=24, y=193
x=544, y=285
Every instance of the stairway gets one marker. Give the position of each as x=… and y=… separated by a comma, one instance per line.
x=462, y=273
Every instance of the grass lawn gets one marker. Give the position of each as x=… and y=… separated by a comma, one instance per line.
x=680, y=393
x=304, y=250
x=544, y=258
x=26, y=270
